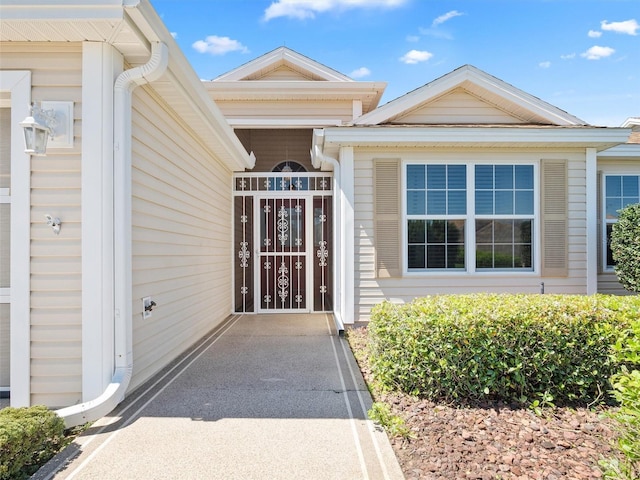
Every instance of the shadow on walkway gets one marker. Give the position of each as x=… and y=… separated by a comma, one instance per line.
x=260, y=397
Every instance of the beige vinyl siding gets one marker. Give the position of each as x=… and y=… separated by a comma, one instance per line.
x=457, y=107
x=56, y=361
x=608, y=283
x=370, y=290
x=181, y=236
x=284, y=73
x=287, y=109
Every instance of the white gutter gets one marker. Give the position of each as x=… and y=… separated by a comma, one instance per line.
x=123, y=321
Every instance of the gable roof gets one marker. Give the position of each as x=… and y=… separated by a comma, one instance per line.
x=286, y=75
x=495, y=93
x=261, y=67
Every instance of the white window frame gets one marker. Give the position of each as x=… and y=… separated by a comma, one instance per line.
x=434, y=217
x=470, y=218
x=603, y=214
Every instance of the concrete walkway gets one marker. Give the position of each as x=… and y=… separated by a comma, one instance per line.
x=261, y=397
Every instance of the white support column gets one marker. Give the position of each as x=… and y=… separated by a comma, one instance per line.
x=18, y=84
x=347, y=266
x=101, y=64
x=591, y=178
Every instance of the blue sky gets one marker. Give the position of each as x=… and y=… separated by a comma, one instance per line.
x=580, y=55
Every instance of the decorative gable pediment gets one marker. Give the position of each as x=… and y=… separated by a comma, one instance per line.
x=283, y=64
x=458, y=106
x=468, y=96
x=284, y=72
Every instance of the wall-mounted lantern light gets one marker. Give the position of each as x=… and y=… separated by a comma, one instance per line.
x=48, y=121
x=38, y=126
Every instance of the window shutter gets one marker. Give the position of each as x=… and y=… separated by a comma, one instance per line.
x=386, y=211
x=554, y=218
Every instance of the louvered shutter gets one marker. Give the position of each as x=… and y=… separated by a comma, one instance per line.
x=387, y=215
x=554, y=218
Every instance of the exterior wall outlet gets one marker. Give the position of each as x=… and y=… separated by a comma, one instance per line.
x=147, y=307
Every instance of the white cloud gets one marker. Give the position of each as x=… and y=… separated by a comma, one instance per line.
x=412, y=38
x=447, y=16
x=174, y=34
x=303, y=9
x=216, y=45
x=629, y=27
x=416, y=56
x=594, y=33
x=544, y=64
x=596, y=52
x=360, y=72
x=436, y=33
x=568, y=56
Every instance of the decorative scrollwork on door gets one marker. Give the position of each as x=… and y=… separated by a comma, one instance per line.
x=243, y=241
x=283, y=225
x=282, y=239
x=322, y=245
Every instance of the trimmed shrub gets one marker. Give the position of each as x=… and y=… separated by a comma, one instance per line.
x=626, y=389
x=625, y=247
x=29, y=437
x=513, y=348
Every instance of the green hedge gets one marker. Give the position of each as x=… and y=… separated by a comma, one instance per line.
x=514, y=348
x=625, y=247
x=28, y=438
x=626, y=389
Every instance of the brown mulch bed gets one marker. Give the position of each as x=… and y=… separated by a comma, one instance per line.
x=493, y=441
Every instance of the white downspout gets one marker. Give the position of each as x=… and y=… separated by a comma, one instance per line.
x=319, y=158
x=123, y=321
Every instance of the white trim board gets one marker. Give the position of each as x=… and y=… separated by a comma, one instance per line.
x=18, y=84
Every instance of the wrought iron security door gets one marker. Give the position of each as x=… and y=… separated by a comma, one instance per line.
x=283, y=243
x=283, y=254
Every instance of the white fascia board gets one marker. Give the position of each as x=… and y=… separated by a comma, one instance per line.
x=287, y=55
x=628, y=151
x=631, y=122
x=522, y=98
x=458, y=77
x=284, y=122
x=61, y=10
x=293, y=89
x=409, y=100
x=306, y=63
x=189, y=85
x=599, y=138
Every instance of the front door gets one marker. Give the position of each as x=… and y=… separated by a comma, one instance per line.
x=283, y=252
x=283, y=257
